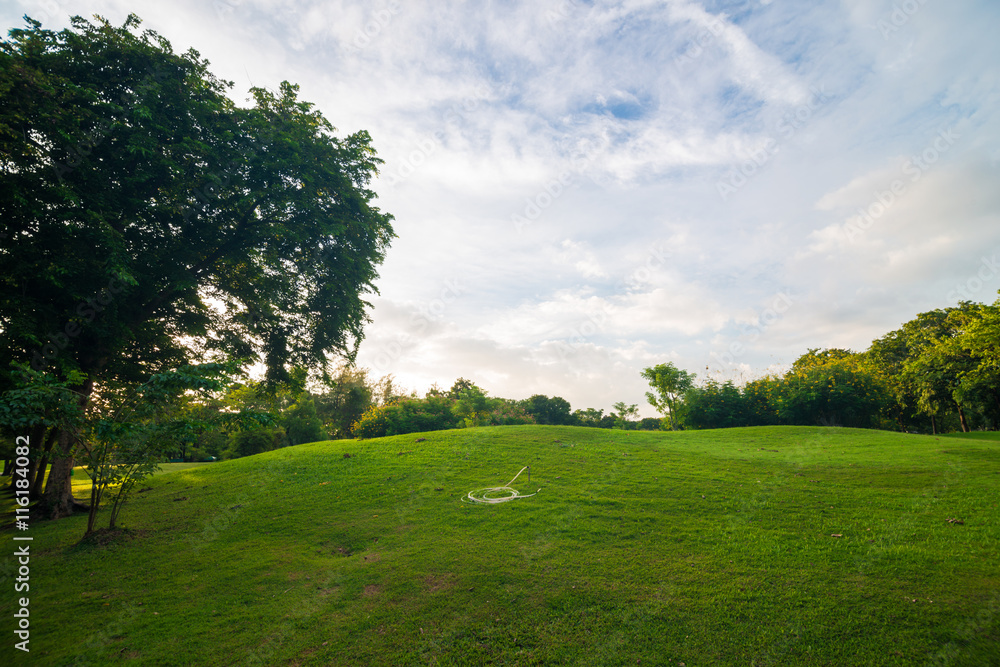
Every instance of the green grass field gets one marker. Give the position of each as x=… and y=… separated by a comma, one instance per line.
x=978, y=435
x=760, y=546
x=82, y=483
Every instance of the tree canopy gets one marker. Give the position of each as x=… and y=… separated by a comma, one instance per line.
x=152, y=223
x=938, y=372
x=133, y=185
x=669, y=383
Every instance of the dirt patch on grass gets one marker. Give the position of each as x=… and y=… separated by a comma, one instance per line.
x=372, y=557
x=371, y=590
x=439, y=582
x=104, y=537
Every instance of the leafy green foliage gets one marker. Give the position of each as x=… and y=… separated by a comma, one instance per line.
x=545, y=410
x=466, y=406
x=836, y=391
x=623, y=413
x=344, y=399
x=125, y=443
x=255, y=441
x=942, y=365
x=301, y=422
x=589, y=417
x=650, y=424
x=211, y=231
x=471, y=407
x=715, y=405
x=38, y=398
x=670, y=384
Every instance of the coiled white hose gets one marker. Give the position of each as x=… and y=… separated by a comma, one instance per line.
x=499, y=494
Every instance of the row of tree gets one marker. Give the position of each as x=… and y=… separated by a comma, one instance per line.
x=466, y=405
x=937, y=373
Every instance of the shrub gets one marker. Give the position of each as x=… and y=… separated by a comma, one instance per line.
x=301, y=423
x=715, y=405
x=651, y=424
x=256, y=441
x=374, y=422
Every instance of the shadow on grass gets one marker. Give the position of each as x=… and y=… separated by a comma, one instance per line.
x=105, y=537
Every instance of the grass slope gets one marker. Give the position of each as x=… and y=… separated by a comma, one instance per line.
x=694, y=548
x=977, y=435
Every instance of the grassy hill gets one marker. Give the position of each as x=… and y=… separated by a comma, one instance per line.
x=977, y=435
x=760, y=546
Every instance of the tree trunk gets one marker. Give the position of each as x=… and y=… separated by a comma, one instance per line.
x=961, y=418
x=95, y=504
x=58, y=500
x=38, y=485
x=933, y=426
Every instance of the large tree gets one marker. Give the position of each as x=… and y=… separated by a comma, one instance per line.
x=151, y=222
x=545, y=410
x=833, y=388
x=670, y=383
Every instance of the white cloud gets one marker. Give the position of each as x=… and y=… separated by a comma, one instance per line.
x=635, y=110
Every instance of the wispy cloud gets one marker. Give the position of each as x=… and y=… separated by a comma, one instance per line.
x=607, y=128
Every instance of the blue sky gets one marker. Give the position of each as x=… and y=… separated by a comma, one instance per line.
x=583, y=189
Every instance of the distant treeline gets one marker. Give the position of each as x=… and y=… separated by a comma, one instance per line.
x=939, y=372
x=352, y=406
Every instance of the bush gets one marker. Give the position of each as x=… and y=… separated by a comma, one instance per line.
x=501, y=412
x=651, y=424
x=715, y=405
x=256, y=441
x=374, y=423
x=834, y=394
x=301, y=423
x=414, y=415
x=208, y=444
